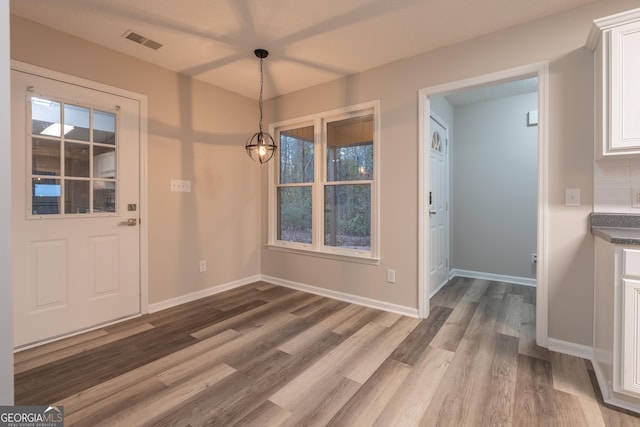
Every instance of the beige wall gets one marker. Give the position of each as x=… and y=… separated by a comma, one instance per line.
x=6, y=331
x=559, y=40
x=196, y=132
x=494, y=209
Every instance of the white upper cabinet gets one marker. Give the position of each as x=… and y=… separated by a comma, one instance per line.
x=616, y=42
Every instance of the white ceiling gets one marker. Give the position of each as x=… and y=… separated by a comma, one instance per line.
x=311, y=42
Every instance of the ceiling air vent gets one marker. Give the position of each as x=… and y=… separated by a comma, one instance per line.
x=135, y=37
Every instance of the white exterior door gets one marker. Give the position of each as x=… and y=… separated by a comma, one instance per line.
x=438, y=205
x=76, y=188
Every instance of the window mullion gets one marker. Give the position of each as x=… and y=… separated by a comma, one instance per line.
x=318, y=201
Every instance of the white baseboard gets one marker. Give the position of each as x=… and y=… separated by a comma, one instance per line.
x=572, y=349
x=354, y=299
x=526, y=281
x=162, y=305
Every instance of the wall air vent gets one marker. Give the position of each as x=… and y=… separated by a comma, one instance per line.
x=135, y=37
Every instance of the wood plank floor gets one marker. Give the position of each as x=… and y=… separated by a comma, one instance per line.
x=263, y=355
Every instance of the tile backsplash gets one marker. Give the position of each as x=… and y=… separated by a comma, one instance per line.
x=615, y=181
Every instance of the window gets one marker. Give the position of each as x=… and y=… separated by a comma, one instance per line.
x=73, y=159
x=324, y=187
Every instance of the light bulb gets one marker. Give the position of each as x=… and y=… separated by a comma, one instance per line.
x=262, y=151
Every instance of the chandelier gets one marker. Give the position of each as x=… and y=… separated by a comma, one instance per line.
x=260, y=146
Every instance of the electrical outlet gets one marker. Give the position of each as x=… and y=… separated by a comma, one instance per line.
x=180, y=186
x=203, y=266
x=534, y=258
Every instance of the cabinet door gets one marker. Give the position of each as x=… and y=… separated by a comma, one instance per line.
x=631, y=337
x=625, y=87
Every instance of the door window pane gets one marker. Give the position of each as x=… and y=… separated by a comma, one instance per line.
x=45, y=157
x=347, y=218
x=76, y=159
x=45, y=196
x=294, y=224
x=45, y=117
x=76, y=197
x=296, y=155
x=76, y=121
x=350, y=149
x=104, y=162
x=104, y=127
x=104, y=196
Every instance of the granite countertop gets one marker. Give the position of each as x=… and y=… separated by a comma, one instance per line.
x=621, y=229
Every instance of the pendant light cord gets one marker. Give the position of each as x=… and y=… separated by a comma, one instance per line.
x=260, y=98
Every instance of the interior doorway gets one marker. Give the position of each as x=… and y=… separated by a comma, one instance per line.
x=426, y=289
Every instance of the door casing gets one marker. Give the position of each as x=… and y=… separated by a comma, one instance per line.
x=541, y=71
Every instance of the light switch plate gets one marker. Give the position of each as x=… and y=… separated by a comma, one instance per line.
x=572, y=197
x=181, y=186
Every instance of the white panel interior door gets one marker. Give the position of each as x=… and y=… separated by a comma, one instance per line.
x=76, y=190
x=438, y=205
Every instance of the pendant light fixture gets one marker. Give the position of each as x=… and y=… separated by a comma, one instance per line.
x=261, y=147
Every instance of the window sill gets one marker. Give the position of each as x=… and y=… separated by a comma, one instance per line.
x=359, y=259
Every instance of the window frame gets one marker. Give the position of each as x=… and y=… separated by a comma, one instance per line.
x=320, y=182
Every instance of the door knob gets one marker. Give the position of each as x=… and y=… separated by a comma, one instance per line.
x=432, y=212
x=131, y=222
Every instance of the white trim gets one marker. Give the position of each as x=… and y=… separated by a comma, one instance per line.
x=570, y=348
x=309, y=252
x=424, y=112
x=541, y=70
x=193, y=296
x=525, y=281
x=144, y=207
x=341, y=296
x=143, y=106
x=542, y=272
x=78, y=81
